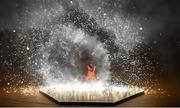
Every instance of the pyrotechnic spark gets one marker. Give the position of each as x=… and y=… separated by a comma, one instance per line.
x=27, y=91
x=140, y=28
x=154, y=91
x=89, y=92
x=27, y=48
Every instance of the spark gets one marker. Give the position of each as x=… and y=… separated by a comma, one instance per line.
x=140, y=28
x=89, y=92
x=154, y=42
x=27, y=91
x=27, y=48
x=22, y=82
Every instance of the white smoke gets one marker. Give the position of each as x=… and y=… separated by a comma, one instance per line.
x=61, y=55
x=60, y=63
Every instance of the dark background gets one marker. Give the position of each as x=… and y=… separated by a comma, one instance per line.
x=163, y=35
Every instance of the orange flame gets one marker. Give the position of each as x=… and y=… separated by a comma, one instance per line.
x=90, y=73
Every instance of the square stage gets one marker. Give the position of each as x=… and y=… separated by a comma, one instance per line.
x=89, y=93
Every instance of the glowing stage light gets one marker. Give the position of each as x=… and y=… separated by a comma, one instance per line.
x=85, y=92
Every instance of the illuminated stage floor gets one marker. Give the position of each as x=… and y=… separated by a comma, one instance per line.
x=83, y=93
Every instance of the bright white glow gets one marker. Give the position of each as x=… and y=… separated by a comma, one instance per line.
x=140, y=28
x=27, y=48
x=89, y=92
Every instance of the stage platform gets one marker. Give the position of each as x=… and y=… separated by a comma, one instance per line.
x=90, y=94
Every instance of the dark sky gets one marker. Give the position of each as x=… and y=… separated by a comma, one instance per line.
x=7, y=13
